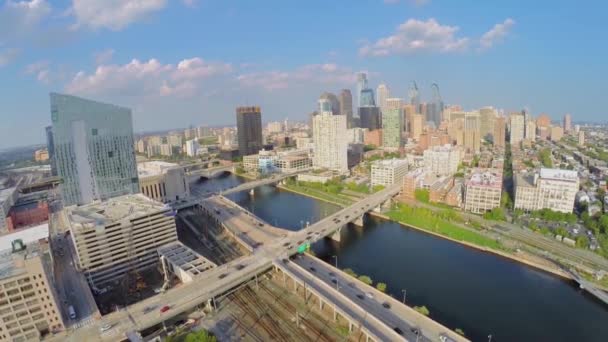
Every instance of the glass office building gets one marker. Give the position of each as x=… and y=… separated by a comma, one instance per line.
x=94, y=150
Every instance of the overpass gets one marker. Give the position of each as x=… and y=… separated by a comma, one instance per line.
x=211, y=172
x=265, y=181
x=265, y=255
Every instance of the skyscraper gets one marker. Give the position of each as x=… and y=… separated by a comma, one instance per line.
x=414, y=96
x=346, y=106
x=93, y=149
x=333, y=100
x=434, y=109
x=330, y=141
x=487, y=118
x=517, y=126
x=567, y=123
x=249, y=129
x=361, y=84
x=370, y=118
x=472, y=136
x=383, y=94
x=392, y=123
x=51, y=148
x=367, y=98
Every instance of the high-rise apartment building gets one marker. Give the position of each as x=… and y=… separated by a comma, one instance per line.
x=382, y=92
x=249, y=129
x=50, y=146
x=581, y=138
x=392, y=123
x=94, y=149
x=333, y=100
x=500, y=128
x=119, y=236
x=388, y=172
x=483, y=189
x=517, y=125
x=330, y=141
x=472, y=137
x=553, y=189
x=346, y=107
x=487, y=121
x=442, y=160
x=530, y=130
x=416, y=126
x=29, y=306
x=567, y=123
x=192, y=147
x=557, y=133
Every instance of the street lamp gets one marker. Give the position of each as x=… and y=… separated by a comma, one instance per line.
x=404, y=292
x=490, y=338
x=335, y=256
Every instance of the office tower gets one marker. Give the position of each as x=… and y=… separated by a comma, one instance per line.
x=383, y=94
x=543, y=120
x=361, y=84
x=330, y=141
x=441, y=160
x=388, y=172
x=581, y=138
x=483, y=189
x=487, y=118
x=408, y=115
x=392, y=123
x=163, y=182
x=370, y=118
x=367, y=98
x=416, y=126
x=29, y=304
x=567, y=123
x=500, y=127
x=203, y=131
x=414, y=97
x=324, y=105
x=249, y=129
x=346, y=107
x=516, y=128
x=119, y=236
x=553, y=189
x=434, y=110
x=472, y=138
x=93, y=146
x=333, y=100
x=50, y=146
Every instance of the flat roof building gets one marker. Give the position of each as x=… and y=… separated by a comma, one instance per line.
x=120, y=235
x=388, y=172
x=185, y=263
x=553, y=189
x=162, y=181
x=442, y=160
x=483, y=189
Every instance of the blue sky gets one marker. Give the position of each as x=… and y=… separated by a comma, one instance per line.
x=190, y=62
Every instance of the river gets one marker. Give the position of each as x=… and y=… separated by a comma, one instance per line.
x=462, y=287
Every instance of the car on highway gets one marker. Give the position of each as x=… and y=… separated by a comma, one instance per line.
x=149, y=309
x=445, y=338
x=352, y=285
x=239, y=267
x=334, y=280
x=312, y=269
x=386, y=305
x=165, y=308
x=286, y=244
x=285, y=261
x=105, y=328
x=332, y=274
x=223, y=275
x=398, y=330
x=360, y=296
x=369, y=295
x=415, y=331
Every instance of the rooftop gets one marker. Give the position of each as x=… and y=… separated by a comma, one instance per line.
x=113, y=210
x=186, y=259
x=488, y=178
x=558, y=174
x=28, y=235
x=390, y=162
x=524, y=179
x=6, y=193
x=153, y=168
x=12, y=264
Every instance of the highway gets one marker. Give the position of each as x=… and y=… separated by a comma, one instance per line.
x=390, y=311
x=218, y=280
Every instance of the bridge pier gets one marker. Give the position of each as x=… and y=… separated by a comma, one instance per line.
x=360, y=222
x=336, y=235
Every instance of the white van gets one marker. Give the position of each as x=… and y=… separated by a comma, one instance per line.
x=71, y=312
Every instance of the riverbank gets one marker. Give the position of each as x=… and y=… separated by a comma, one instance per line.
x=326, y=199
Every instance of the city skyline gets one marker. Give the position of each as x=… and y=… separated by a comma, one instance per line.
x=188, y=73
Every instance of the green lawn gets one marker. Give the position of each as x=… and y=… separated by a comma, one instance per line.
x=421, y=218
x=335, y=198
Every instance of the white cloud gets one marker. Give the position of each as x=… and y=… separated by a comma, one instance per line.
x=7, y=55
x=19, y=18
x=113, y=14
x=147, y=78
x=414, y=36
x=103, y=57
x=496, y=34
x=190, y=3
x=327, y=73
x=40, y=69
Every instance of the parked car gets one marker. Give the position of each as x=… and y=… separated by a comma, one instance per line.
x=165, y=308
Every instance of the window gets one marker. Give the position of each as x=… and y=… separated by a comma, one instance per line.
x=94, y=131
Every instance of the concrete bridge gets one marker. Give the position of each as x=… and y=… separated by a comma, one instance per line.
x=276, y=178
x=211, y=172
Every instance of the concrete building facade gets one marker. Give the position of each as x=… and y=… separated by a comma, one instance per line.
x=483, y=189
x=553, y=189
x=163, y=182
x=388, y=172
x=330, y=142
x=442, y=160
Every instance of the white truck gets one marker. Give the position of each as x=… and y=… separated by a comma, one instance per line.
x=71, y=312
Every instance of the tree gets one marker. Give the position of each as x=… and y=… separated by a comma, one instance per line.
x=350, y=272
x=422, y=310
x=422, y=195
x=366, y=279
x=582, y=241
x=377, y=188
x=381, y=287
x=496, y=214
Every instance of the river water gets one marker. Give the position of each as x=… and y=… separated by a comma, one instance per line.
x=464, y=288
